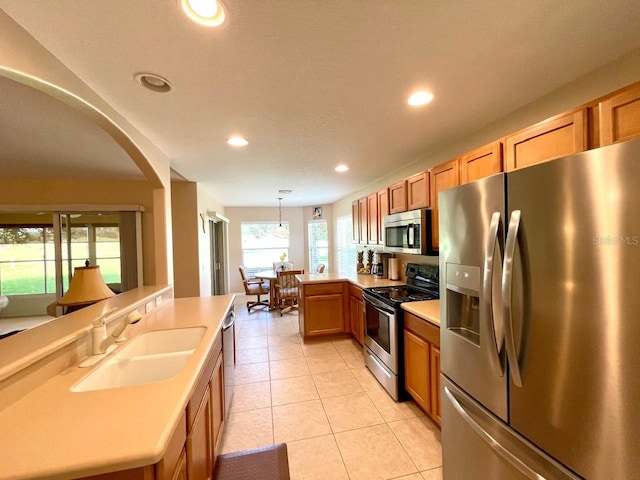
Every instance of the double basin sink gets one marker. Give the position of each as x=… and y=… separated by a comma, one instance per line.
x=150, y=357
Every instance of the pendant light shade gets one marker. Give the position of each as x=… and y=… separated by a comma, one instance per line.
x=280, y=230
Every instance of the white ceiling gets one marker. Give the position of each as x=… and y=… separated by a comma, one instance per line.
x=315, y=83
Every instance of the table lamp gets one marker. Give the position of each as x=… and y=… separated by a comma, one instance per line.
x=86, y=287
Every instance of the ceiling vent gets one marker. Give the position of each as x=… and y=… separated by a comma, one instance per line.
x=284, y=192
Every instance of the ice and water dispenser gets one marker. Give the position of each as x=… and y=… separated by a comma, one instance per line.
x=463, y=284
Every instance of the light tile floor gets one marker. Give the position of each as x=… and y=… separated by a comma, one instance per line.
x=321, y=400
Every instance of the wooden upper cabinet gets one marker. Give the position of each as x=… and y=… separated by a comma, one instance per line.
x=363, y=220
x=372, y=215
x=620, y=116
x=398, y=197
x=556, y=137
x=383, y=211
x=443, y=177
x=481, y=162
x=418, y=191
x=355, y=225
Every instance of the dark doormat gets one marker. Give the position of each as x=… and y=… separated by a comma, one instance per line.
x=266, y=463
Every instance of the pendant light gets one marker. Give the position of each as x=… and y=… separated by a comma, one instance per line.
x=280, y=230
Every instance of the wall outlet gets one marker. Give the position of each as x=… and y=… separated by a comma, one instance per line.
x=148, y=307
x=158, y=300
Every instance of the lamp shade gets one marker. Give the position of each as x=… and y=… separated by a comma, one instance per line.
x=87, y=286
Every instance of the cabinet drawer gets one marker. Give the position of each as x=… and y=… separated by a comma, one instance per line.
x=422, y=328
x=323, y=288
x=355, y=291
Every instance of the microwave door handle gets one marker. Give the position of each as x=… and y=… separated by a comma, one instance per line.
x=410, y=235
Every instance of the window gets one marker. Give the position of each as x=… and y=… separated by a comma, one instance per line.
x=27, y=260
x=346, y=250
x=262, y=245
x=318, y=244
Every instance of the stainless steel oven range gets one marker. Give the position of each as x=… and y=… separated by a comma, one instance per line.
x=383, y=341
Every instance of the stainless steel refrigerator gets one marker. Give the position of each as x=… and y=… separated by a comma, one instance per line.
x=540, y=333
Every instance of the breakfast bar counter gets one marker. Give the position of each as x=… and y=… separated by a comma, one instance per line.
x=54, y=432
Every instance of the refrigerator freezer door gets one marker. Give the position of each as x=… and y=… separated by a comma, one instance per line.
x=471, y=246
x=478, y=446
x=575, y=307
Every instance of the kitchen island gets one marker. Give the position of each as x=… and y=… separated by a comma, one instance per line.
x=331, y=303
x=139, y=430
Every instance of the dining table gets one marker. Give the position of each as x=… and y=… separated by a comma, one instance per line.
x=271, y=276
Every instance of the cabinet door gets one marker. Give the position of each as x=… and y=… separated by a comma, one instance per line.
x=443, y=176
x=356, y=320
x=180, y=472
x=398, y=197
x=620, y=116
x=200, y=442
x=383, y=211
x=434, y=363
x=363, y=220
x=556, y=137
x=418, y=191
x=355, y=222
x=372, y=215
x=217, y=403
x=324, y=314
x=417, y=370
x=481, y=162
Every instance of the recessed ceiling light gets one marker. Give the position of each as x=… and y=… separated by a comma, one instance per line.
x=210, y=13
x=341, y=168
x=153, y=82
x=420, y=98
x=237, y=142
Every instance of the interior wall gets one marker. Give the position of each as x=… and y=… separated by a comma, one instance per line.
x=24, y=60
x=207, y=203
x=297, y=228
x=184, y=202
x=89, y=192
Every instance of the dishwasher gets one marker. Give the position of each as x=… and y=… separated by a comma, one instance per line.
x=229, y=358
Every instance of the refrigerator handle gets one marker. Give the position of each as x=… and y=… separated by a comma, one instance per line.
x=490, y=441
x=507, y=284
x=487, y=310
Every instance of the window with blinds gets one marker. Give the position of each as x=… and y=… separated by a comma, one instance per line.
x=346, y=250
x=262, y=245
x=318, y=244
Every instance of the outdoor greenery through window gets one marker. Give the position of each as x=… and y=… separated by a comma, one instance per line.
x=27, y=256
x=27, y=260
x=262, y=245
x=318, y=244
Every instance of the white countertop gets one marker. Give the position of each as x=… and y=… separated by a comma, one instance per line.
x=55, y=433
x=361, y=280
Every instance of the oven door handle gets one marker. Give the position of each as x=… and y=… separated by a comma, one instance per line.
x=378, y=305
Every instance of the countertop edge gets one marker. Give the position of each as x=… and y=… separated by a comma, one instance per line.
x=428, y=310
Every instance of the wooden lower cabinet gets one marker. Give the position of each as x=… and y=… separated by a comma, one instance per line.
x=356, y=313
x=180, y=472
x=322, y=308
x=422, y=364
x=200, y=442
x=217, y=401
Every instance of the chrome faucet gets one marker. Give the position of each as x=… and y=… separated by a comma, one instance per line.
x=101, y=340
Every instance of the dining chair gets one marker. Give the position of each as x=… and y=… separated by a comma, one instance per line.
x=279, y=266
x=254, y=286
x=287, y=290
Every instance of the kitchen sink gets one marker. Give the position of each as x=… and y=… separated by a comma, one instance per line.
x=163, y=341
x=150, y=357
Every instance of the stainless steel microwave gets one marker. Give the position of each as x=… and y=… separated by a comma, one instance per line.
x=409, y=232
